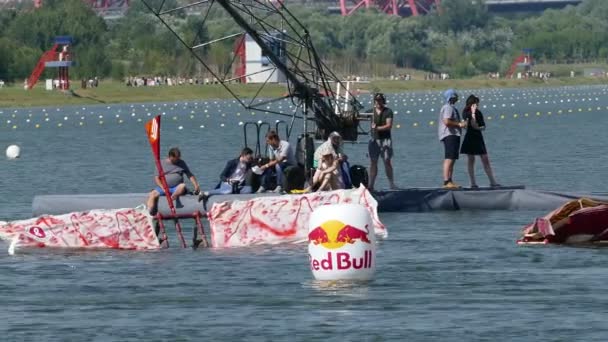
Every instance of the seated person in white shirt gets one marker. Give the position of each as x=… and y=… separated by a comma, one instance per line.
x=334, y=145
x=282, y=156
x=327, y=175
x=235, y=176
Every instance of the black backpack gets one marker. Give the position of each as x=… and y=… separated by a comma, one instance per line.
x=358, y=175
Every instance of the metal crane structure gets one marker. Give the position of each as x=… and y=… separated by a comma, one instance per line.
x=318, y=95
x=393, y=7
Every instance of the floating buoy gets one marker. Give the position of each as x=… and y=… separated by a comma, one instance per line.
x=341, y=243
x=13, y=152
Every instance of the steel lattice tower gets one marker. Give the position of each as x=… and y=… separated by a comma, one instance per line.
x=393, y=7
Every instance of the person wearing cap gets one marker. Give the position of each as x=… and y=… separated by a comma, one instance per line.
x=380, y=144
x=327, y=175
x=334, y=145
x=449, y=131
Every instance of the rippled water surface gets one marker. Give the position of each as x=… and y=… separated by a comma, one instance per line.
x=440, y=276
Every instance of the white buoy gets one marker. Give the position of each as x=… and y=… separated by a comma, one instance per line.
x=341, y=243
x=13, y=152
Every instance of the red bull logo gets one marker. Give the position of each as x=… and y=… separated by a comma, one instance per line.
x=335, y=234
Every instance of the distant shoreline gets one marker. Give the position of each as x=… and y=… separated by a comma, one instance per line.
x=110, y=92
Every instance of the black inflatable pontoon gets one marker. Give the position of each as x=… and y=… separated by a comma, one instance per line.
x=404, y=200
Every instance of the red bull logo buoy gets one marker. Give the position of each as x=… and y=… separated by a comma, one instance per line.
x=341, y=243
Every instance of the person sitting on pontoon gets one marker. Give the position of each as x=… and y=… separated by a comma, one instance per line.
x=281, y=157
x=327, y=175
x=334, y=144
x=174, y=169
x=236, y=176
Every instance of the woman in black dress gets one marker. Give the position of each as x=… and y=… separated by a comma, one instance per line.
x=473, y=144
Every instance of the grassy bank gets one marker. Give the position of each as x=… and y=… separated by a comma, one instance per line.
x=114, y=92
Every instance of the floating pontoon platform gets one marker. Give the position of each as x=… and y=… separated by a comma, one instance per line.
x=403, y=200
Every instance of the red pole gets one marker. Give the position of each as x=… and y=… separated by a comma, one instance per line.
x=343, y=8
x=413, y=7
x=162, y=231
x=200, y=238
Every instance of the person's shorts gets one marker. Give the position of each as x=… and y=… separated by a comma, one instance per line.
x=451, y=144
x=162, y=192
x=380, y=148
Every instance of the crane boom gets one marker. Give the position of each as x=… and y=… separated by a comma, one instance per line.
x=287, y=45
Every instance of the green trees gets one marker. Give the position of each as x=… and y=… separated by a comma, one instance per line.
x=29, y=33
x=460, y=15
x=465, y=40
x=570, y=35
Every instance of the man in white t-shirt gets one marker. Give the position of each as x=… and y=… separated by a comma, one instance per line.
x=281, y=156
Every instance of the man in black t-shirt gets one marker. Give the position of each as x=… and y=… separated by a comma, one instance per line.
x=380, y=144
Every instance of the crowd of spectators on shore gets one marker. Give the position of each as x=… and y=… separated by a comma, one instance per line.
x=90, y=83
x=433, y=76
x=401, y=77
x=154, y=81
x=356, y=78
x=534, y=74
x=167, y=81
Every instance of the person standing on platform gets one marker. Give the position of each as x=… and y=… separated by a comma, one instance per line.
x=380, y=144
x=449, y=129
x=473, y=143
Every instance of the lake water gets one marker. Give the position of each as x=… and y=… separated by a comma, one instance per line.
x=441, y=276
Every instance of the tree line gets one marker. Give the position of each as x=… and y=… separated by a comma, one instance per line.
x=464, y=40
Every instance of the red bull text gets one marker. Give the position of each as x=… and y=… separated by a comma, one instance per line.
x=342, y=261
x=334, y=234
